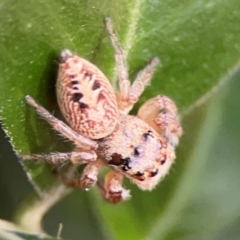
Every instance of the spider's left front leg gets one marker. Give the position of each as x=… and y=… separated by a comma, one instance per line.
x=88, y=178
x=112, y=189
x=161, y=113
x=129, y=94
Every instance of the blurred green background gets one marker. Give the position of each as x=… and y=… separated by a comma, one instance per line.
x=198, y=42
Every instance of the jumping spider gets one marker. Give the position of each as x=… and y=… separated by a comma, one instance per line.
x=141, y=148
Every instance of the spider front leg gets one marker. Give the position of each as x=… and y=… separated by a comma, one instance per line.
x=84, y=156
x=122, y=69
x=88, y=178
x=142, y=80
x=112, y=189
x=129, y=94
x=161, y=113
x=61, y=127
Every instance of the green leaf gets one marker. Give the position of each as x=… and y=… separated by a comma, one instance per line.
x=9, y=231
x=14, y=235
x=197, y=41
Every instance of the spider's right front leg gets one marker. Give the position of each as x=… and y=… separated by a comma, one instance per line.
x=87, y=154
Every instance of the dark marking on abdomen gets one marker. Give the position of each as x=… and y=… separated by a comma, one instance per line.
x=83, y=105
x=96, y=85
x=77, y=97
x=74, y=82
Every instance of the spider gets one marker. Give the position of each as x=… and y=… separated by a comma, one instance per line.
x=141, y=148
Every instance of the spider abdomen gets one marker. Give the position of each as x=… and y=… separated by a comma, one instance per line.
x=85, y=97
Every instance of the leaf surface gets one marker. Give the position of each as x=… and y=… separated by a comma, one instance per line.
x=197, y=41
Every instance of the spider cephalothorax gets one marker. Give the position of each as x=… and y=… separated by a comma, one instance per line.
x=141, y=147
x=137, y=151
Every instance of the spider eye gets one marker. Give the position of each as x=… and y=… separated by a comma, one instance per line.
x=125, y=163
x=124, y=168
x=153, y=173
x=147, y=135
x=163, y=160
x=137, y=152
x=140, y=175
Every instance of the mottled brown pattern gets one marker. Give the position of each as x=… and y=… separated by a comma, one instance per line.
x=86, y=98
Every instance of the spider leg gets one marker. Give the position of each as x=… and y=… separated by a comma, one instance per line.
x=61, y=127
x=112, y=189
x=161, y=113
x=57, y=158
x=122, y=69
x=88, y=177
x=142, y=80
x=129, y=94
